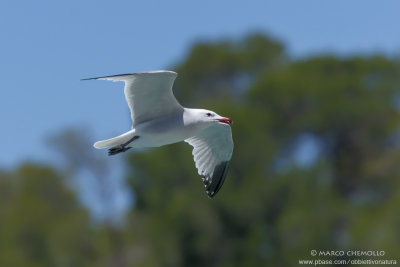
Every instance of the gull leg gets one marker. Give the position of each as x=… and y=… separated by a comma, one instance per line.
x=122, y=147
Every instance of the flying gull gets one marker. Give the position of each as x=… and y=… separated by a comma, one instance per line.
x=158, y=119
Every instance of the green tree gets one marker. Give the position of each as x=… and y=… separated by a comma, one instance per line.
x=271, y=210
x=41, y=223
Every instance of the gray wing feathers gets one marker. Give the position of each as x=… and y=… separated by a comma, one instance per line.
x=148, y=94
x=212, y=151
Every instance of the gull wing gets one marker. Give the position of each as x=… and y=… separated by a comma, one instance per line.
x=212, y=152
x=149, y=94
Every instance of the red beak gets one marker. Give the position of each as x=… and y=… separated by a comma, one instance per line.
x=226, y=120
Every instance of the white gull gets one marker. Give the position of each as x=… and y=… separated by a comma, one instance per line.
x=158, y=119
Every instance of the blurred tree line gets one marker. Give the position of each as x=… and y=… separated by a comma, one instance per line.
x=315, y=166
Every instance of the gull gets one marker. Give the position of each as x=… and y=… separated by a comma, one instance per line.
x=158, y=119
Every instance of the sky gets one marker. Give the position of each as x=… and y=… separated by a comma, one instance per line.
x=48, y=46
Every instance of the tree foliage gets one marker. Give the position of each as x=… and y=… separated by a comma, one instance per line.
x=271, y=210
x=41, y=223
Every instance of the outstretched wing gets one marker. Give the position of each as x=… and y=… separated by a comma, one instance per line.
x=212, y=152
x=149, y=94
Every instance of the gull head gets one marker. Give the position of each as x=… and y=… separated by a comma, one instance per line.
x=210, y=117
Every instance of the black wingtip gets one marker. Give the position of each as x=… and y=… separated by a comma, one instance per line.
x=109, y=76
x=88, y=79
x=134, y=73
x=214, y=184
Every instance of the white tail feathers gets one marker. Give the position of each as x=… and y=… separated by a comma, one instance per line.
x=105, y=143
x=118, y=140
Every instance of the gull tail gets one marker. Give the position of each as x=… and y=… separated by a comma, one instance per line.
x=115, y=141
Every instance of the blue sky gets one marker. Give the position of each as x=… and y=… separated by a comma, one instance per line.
x=48, y=46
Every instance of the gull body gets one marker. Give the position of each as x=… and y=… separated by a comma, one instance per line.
x=158, y=119
x=170, y=129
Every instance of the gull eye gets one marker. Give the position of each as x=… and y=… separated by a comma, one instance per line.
x=209, y=115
